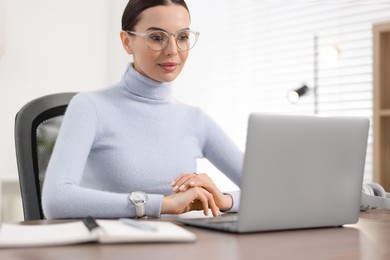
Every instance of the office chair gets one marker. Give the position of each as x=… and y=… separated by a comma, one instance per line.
x=36, y=129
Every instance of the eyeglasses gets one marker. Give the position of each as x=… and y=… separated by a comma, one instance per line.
x=157, y=40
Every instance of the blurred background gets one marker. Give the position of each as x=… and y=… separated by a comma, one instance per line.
x=250, y=54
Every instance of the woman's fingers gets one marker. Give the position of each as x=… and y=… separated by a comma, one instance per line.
x=196, y=198
x=185, y=181
x=213, y=206
x=191, y=180
x=178, y=183
x=207, y=202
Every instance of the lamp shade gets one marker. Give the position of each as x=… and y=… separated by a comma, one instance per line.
x=294, y=95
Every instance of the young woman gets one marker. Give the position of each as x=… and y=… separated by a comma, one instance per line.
x=131, y=149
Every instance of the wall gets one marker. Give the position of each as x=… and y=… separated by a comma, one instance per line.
x=50, y=46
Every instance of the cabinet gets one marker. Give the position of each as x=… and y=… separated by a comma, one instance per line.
x=10, y=199
x=381, y=98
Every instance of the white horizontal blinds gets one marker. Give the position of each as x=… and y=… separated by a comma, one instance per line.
x=345, y=87
x=250, y=53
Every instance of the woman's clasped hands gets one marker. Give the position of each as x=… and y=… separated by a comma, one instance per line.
x=194, y=191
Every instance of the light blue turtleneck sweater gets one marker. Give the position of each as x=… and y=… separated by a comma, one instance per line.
x=133, y=136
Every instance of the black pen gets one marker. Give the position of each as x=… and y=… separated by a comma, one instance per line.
x=90, y=223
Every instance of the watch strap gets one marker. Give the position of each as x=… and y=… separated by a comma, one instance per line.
x=140, y=209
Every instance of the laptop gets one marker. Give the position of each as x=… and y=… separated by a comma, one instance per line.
x=299, y=172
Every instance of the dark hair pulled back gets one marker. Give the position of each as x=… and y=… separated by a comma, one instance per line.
x=134, y=8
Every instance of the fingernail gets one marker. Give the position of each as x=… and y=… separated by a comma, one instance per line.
x=192, y=183
x=182, y=187
x=172, y=183
x=175, y=188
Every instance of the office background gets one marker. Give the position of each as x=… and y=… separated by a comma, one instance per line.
x=249, y=55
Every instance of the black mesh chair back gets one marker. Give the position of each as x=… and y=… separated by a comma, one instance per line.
x=36, y=129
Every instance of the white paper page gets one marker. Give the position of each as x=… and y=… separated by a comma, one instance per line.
x=115, y=232
x=14, y=235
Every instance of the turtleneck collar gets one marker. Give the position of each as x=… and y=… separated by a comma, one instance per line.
x=142, y=86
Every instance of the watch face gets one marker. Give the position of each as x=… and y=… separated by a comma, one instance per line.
x=138, y=196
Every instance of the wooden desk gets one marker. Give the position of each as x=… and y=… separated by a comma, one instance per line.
x=368, y=239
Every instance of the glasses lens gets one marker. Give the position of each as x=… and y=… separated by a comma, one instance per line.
x=157, y=40
x=186, y=39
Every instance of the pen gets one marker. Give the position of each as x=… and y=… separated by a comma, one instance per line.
x=90, y=223
x=138, y=224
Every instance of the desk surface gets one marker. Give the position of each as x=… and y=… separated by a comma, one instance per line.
x=368, y=239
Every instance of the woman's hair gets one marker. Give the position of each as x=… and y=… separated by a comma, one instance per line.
x=134, y=8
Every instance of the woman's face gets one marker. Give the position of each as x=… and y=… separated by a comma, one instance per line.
x=164, y=65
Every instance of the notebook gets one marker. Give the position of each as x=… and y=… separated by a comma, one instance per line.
x=299, y=172
x=90, y=230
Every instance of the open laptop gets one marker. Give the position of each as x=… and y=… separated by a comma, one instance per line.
x=299, y=172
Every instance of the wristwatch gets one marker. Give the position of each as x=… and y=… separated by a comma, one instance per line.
x=139, y=198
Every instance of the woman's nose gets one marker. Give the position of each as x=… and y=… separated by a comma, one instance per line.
x=171, y=48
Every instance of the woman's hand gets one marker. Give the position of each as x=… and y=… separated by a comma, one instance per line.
x=195, y=198
x=188, y=180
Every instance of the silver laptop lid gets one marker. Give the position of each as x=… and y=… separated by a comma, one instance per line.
x=302, y=171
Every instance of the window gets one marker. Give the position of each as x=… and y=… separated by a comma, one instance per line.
x=251, y=53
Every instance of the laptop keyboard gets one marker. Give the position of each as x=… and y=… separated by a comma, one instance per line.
x=220, y=220
x=226, y=223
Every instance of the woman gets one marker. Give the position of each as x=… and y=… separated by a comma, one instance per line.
x=130, y=149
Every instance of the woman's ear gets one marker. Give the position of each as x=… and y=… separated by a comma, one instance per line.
x=126, y=42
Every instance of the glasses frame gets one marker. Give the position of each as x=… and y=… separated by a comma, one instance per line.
x=176, y=34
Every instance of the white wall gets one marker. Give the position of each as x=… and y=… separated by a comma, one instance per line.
x=117, y=57
x=49, y=46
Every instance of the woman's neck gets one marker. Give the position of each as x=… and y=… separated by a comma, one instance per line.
x=142, y=86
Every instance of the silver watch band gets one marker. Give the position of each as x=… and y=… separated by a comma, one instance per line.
x=140, y=209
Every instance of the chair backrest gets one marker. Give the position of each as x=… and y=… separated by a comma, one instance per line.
x=36, y=129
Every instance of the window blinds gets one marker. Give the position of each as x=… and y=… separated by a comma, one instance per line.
x=251, y=53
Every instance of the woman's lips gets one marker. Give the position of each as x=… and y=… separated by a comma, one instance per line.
x=168, y=66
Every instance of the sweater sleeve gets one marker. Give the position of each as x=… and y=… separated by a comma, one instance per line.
x=62, y=195
x=220, y=150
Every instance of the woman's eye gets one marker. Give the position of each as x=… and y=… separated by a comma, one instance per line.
x=183, y=38
x=156, y=37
